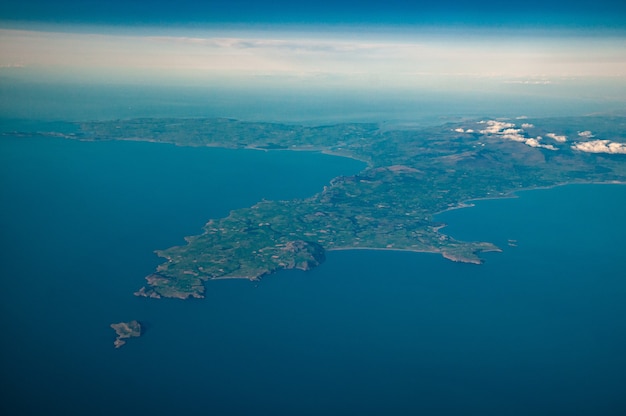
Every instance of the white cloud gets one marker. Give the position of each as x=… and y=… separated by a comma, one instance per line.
x=527, y=126
x=586, y=134
x=495, y=127
x=508, y=131
x=532, y=142
x=535, y=143
x=601, y=146
x=514, y=136
x=560, y=139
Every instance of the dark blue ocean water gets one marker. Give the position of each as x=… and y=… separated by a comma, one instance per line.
x=538, y=329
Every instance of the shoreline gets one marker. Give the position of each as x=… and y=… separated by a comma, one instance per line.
x=321, y=150
x=437, y=228
x=472, y=257
x=513, y=194
x=368, y=164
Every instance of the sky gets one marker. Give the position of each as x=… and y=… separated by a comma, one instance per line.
x=575, y=47
x=586, y=12
x=345, y=56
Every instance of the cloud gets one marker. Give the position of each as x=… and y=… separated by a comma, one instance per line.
x=508, y=131
x=348, y=58
x=495, y=127
x=586, y=134
x=560, y=139
x=532, y=142
x=514, y=135
x=527, y=126
x=289, y=45
x=535, y=143
x=601, y=146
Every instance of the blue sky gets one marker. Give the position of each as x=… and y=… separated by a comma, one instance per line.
x=486, y=12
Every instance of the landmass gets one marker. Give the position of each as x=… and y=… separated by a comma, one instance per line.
x=410, y=176
x=125, y=330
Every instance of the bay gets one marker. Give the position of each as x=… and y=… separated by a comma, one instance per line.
x=537, y=329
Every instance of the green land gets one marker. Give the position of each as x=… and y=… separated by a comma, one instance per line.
x=411, y=175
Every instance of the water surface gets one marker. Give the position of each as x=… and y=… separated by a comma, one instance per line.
x=538, y=329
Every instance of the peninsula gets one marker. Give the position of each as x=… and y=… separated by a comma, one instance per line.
x=411, y=175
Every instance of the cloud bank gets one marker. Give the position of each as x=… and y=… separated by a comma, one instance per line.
x=357, y=58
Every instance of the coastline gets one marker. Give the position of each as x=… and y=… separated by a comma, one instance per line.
x=513, y=194
x=467, y=254
x=301, y=149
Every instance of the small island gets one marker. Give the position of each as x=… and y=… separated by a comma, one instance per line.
x=126, y=330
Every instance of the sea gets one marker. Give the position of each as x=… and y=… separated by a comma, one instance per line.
x=539, y=328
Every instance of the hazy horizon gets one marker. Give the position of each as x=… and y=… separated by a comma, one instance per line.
x=329, y=60
x=290, y=71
